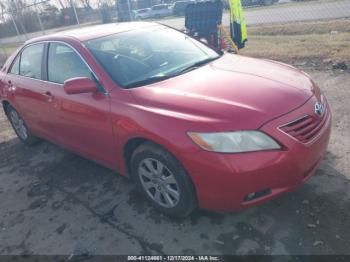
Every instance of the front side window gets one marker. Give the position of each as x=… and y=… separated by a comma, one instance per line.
x=64, y=63
x=31, y=60
x=143, y=56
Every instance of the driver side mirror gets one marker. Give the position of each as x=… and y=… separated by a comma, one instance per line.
x=79, y=85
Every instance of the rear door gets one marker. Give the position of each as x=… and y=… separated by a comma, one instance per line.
x=25, y=86
x=82, y=121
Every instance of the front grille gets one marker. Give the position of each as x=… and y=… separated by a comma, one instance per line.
x=306, y=128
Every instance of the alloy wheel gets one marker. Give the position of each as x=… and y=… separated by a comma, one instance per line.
x=18, y=125
x=159, y=182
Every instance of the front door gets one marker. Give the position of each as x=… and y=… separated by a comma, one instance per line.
x=82, y=121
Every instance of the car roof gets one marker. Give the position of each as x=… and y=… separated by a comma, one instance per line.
x=92, y=32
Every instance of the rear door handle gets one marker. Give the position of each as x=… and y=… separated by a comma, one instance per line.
x=48, y=95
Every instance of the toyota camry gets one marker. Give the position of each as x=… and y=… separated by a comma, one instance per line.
x=192, y=127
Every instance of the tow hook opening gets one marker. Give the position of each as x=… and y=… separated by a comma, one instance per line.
x=257, y=194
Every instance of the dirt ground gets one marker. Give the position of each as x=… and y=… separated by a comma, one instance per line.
x=55, y=202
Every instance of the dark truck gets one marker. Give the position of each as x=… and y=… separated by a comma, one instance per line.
x=179, y=7
x=123, y=11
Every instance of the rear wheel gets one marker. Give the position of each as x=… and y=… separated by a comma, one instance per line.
x=20, y=127
x=163, y=180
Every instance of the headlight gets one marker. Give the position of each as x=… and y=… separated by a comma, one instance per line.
x=234, y=142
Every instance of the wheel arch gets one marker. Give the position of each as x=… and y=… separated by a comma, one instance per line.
x=5, y=106
x=132, y=144
x=129, y=148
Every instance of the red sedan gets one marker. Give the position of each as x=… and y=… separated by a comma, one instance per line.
x=191, y=126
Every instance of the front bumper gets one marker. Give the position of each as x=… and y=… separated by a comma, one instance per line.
x=223, y=181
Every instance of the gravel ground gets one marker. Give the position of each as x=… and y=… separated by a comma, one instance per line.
x=55, y=202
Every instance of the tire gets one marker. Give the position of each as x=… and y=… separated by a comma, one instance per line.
x=162, y=179
x=20, y=127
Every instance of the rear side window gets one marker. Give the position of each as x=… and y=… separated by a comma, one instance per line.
x=15, y=66
x=64, y=63
x=31, y=59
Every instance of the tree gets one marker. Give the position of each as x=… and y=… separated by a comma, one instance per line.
x=86, y=4
x=3, y=8
x=61, y=4
x=105, y=2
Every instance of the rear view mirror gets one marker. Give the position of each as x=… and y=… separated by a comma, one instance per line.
x=79, y=85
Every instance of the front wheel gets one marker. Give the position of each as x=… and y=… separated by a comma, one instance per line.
x=20, y=127
x=163, y=180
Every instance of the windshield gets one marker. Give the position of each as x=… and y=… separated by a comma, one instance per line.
x=144, y=56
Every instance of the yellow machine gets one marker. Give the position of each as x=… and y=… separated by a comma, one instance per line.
x=226, y=40
x=203, y=20
x=237, y=23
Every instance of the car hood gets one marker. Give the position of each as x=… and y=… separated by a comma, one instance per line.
x=234, y=92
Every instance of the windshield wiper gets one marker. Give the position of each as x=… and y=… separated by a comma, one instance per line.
x=157, y=78
x=196, y=65
x=147, y=81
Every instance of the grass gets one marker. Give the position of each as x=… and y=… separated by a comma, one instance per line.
x=5, y=51
x=8, y=49
x=302, y=28
x=300, y=41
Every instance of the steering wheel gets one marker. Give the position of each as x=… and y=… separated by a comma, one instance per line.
x=132, y=60
x=131, y=67
x=147, y=57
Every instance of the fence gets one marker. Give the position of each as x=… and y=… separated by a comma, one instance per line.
x=24, y=19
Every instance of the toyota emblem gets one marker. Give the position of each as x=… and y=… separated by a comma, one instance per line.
x=319, y=109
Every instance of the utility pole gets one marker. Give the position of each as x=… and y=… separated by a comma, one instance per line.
x=75, y=11
x=37, y=13
x=20, y=20
x=14, y=24
x=129, y=10
x=40, y=23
